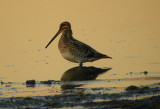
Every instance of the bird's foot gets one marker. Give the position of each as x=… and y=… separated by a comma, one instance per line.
x=80, y=64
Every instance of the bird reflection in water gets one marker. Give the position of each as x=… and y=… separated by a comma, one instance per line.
x=81, y=74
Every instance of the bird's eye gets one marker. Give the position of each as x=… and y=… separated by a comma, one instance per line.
x=61, y=26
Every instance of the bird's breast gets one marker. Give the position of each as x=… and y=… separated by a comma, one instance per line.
x=64, y=47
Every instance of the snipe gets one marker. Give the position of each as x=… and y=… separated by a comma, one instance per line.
x=74, y=50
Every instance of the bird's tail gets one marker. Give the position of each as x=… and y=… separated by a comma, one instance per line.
x=105, y=56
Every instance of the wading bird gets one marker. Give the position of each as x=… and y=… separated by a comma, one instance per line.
x=74, y=50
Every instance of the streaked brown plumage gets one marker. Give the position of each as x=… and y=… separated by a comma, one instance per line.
x=74, y=50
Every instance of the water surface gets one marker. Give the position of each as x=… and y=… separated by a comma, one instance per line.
x=128, y=31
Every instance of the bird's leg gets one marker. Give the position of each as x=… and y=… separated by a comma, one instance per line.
x=81, y=64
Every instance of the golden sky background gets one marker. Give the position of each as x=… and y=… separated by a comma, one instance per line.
x=118, y=28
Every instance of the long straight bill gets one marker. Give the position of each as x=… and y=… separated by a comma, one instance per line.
x=53, y=38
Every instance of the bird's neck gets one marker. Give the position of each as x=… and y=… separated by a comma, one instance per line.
x=67, y=34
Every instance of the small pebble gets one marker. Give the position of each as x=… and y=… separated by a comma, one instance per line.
x=145, y=72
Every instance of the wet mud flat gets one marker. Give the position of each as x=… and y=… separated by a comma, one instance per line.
x=96, y=98
x=74, y=101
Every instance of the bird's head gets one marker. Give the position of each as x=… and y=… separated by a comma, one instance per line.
x=63, y=26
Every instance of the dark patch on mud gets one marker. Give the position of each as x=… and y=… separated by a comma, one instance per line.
x=30, y=83
x=49, y=82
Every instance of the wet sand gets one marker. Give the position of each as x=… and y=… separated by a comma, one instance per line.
x=72, y=95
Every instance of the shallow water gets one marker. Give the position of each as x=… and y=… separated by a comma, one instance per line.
x=88, y=86
x=126, y=31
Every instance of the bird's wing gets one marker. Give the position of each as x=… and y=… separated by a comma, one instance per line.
x=80, y=49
